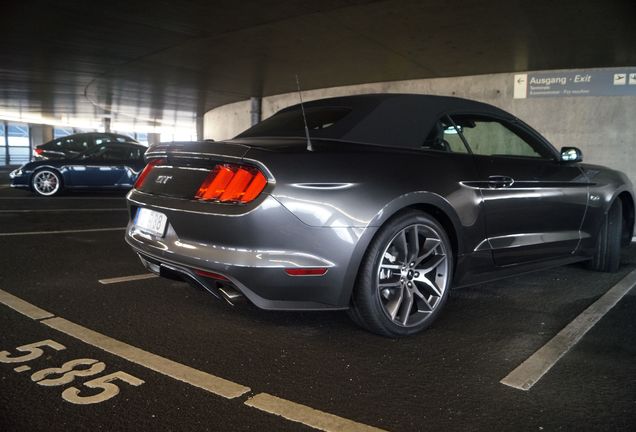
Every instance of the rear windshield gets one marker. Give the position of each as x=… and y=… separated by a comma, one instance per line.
x=322, y=122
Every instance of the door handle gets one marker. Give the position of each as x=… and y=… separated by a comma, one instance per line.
x=497, y=181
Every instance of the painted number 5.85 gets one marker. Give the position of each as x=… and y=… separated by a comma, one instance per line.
x=33, y=350
x=66, y=374
x=109, y=390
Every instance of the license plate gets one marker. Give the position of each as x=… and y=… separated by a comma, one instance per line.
x=151, y=221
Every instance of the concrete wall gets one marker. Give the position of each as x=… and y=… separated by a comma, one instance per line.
x=228, y=121
x=604, y=128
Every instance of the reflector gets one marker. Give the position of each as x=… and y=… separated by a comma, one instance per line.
x=306, y=271
x=210, y=275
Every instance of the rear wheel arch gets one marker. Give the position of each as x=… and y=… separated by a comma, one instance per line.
x=48, y=168
x=363, y=297
x=57, y=172
x=446, y=222
x=441, y=213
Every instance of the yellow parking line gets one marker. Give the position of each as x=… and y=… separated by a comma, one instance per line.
x=164, y=366
x=25, y=308
x=306, y=415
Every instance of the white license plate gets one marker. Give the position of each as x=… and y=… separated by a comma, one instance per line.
x=151, y=221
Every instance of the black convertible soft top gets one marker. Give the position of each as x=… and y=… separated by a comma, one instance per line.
x=386, y=119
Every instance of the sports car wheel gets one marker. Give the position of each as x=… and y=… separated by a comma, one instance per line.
x=405, y=276
x=607, y=256
x=46, y=182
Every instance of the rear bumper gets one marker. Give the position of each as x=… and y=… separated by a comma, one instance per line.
x=252, y=250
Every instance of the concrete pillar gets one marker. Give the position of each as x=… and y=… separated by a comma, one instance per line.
x=199, y=121
x=106, y=124
x=40, y=134
x=255, y=110
x=153, y=138
x=7, y=157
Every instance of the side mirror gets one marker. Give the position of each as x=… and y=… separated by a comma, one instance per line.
x=571, y=154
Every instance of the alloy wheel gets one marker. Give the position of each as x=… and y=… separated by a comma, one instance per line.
x=412, y=275
x=46, y=183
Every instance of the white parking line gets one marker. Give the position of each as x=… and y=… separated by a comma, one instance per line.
x=211, y=383
x=60, y=232
x=63, y=198
x=538, y=364
x=306, y=415
x=64, y=210
x=127, y=278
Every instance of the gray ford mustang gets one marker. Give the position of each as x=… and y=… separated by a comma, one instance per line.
x=377, y=204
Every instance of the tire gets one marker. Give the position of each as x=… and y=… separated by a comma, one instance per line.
x=46, y=182
x=404, y=278
x=607, y=255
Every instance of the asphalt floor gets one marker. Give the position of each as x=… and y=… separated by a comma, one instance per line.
x=446, y=378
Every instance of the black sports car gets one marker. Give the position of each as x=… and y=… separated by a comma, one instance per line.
x=72, y=145
x=377, y=204
x=105, y=166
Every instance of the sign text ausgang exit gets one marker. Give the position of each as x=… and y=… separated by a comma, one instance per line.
x=597, y=82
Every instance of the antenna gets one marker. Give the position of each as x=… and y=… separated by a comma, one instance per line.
x=302, y=107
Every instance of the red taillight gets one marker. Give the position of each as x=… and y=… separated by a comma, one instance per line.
x=232, y=183
x=39, y=151
x=306, y=271
x=215, y=183
x=144, y=173
x=210, y=275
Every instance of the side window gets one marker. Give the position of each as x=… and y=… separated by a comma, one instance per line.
x=489, y=137
x=102, y=139
x=75, y=144
x=116, y=153
x=67, y=143
x=444, y=137
x=97, y=153
x=134, y=153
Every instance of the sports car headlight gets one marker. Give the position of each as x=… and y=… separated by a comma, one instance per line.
x=15, y=173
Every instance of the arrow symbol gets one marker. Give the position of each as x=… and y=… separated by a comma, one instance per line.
x=519, y=81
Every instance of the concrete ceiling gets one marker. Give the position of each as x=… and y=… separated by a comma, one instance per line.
x=160, y=62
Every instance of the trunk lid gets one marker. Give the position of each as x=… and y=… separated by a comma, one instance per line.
x=184, y=166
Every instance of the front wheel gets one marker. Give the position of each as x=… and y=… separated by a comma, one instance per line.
x=405, y=276
x=46, y=182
